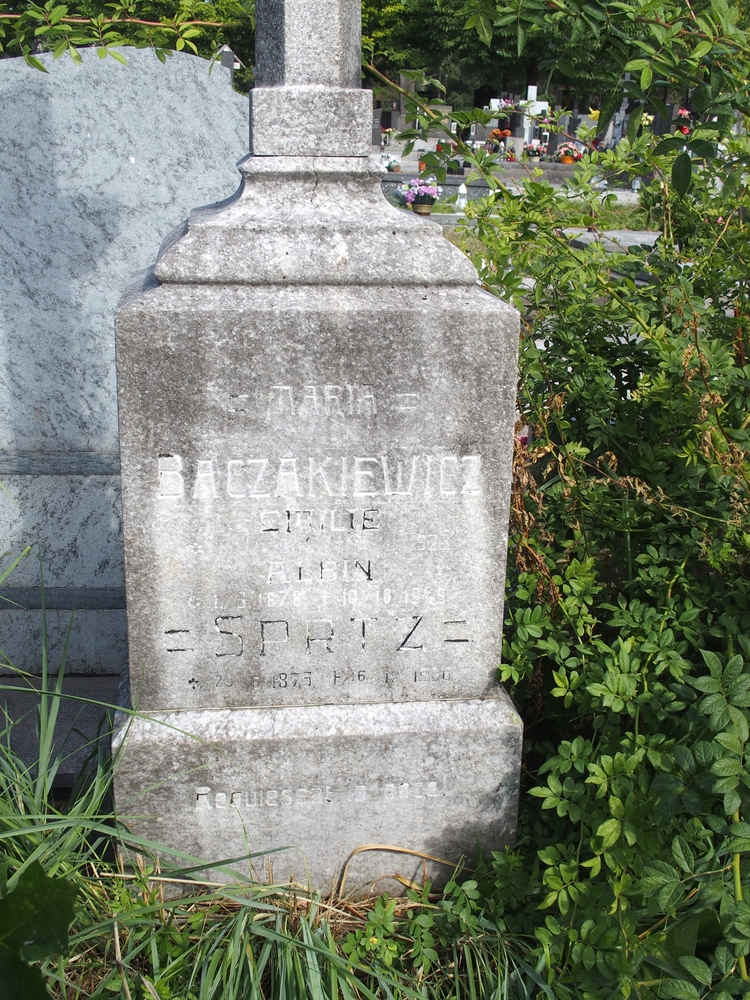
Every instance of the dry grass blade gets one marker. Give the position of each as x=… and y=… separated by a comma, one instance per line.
x=339, y=887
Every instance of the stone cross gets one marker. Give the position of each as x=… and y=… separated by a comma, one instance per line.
x=316, y=410
x=307, y=98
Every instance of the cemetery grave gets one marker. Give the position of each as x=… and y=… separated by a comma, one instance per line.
x=315, y=475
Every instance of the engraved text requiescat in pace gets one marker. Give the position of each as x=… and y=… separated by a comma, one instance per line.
x=208, y=798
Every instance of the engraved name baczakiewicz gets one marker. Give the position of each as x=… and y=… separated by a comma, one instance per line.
x=349, y=476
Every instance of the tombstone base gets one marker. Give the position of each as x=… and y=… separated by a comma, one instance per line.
x=300, y=788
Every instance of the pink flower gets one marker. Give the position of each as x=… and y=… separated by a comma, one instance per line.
x=683, y=113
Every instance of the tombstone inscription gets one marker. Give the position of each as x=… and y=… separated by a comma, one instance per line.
x=316, y=412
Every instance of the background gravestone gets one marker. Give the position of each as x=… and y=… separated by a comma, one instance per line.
x=316, y=406
x=98, y=160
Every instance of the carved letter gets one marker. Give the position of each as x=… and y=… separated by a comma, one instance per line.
x=404, y=645
x=263, y=465
x=364, y=629
x=273, y=632
x=473, y=485
x=368, y=519
x=399, y=489
x=333, y=396
x=363, y=478
x=368, y=571
x=459, y=639
x=287, y=482
x=171, y=483
x=284, y=395
x=443, y=461
x=311, y=397
x=317, y=470
x=205, y=487
x=266, y=524
x=320, y=625
x=237, y=464
x=237, y=651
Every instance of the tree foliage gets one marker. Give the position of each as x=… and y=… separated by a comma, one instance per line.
x=196, y=26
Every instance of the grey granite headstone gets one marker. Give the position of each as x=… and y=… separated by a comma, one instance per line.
x=96, y=160
x=316, y=408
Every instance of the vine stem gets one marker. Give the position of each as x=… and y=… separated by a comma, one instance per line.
x=129, y=20
x=737, y=877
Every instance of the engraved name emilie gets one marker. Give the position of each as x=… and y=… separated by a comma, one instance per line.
x=348, y=476
x=208, y=798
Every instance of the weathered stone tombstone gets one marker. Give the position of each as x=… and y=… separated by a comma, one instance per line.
x=316, y=411
x=97, y=158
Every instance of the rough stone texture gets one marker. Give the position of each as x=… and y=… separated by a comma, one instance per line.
x=307, y=98
x=96, y=639
x=322, y=781
x=345, y=233
x=315, y=483
x=308, y=42
x=316, y=410
x=74, y=520
x=306, y=120
x=84, y=721
x=99, y=161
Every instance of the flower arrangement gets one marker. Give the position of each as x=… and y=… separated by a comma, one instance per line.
x=683, y=116
x=419, y=192
x=569, y=149
x=594, y=114
x=498, y=134
x=532, y=149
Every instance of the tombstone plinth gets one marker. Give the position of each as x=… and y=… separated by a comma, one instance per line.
x=316, y=417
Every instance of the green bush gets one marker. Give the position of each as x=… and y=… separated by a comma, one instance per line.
x=627, y=643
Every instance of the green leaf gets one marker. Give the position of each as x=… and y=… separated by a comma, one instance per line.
x=681, y=174
x=609, y=831
x=683, y=855
x=669, y=145
x=520, y=40
x=679, y=989
x=701, y=49
x=634, y=123
x=703, y=148
x=609, y=107
x=34, y=921
x=669, y=894
x=647, y=75
x=697, y=969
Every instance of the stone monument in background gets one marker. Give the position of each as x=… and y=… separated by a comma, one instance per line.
x=316, y=414
x=98, y=159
